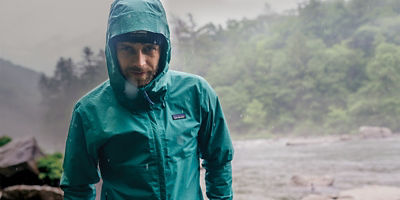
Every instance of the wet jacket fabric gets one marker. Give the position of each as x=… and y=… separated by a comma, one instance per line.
x=145, y=143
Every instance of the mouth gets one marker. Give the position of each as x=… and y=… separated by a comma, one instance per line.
x=136, y=73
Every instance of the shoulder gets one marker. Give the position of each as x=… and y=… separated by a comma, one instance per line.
x=178, y=75
x=99, y=95
x=187, y=80
x=182, y=84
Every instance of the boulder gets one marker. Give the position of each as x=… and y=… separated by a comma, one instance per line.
x=32, y=192
x=374, y=132
x=18, y=162
x=312, y=181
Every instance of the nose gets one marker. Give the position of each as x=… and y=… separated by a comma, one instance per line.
x=140, y=59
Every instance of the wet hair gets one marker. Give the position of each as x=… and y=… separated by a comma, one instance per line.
x=140, y=37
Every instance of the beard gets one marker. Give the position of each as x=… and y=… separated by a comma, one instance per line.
x=139, y=77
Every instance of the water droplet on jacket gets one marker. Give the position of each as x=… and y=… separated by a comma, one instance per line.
x=179, y=140
x=108, y=160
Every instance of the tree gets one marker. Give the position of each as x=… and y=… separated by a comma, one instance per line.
x=68, y=83
x=255, y=115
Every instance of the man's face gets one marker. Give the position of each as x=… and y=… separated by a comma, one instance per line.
x=138, y=61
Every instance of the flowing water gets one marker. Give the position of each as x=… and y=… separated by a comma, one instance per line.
x=262, y=169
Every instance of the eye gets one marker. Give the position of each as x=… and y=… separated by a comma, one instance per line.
x=125, y=49
x=150, y=49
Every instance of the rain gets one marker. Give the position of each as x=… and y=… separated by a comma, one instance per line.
x=309, y=88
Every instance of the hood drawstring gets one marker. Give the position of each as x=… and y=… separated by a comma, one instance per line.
x=163, y=102
x=148, y=98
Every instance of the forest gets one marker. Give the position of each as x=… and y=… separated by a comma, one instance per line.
x=327, y=67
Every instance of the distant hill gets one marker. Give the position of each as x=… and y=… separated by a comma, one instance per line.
x=20, y=113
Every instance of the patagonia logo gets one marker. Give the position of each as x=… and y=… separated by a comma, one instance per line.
x=179, y=116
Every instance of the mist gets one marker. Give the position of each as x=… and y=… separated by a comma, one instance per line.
x=309, y=89
x=36, y=33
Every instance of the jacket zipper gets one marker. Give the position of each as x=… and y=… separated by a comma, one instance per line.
x=158, y=148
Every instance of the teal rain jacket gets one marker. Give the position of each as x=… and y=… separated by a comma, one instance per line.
x=147, y=141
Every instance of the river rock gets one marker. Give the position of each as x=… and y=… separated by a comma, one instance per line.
x=374, y=132
x=373, y=192
x=312, y=181
x=19, y=152
x=18, y=162
x=32, y=192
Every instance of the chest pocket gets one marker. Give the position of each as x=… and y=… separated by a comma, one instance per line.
x=181, y=136
x=129, y=148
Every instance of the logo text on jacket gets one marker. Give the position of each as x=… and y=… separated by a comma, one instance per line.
x=179, y=116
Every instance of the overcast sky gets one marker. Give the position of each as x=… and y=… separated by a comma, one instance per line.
x=35, y=34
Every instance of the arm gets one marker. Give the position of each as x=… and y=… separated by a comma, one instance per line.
x=80, y=169
x=216, y=150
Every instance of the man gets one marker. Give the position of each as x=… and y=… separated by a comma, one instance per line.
x=146, y=127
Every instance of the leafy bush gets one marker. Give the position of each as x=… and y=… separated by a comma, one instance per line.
x=4, y=140
x=50, y=168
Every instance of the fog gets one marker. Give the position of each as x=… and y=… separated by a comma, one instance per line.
x=310, y=89
x=36, y=33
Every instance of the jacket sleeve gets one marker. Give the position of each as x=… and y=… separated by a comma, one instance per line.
x=80, y=169
x=216, y=149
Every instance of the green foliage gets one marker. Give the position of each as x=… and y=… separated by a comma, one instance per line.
x=4, y=140
x=377, y=102
x=50, y=168
x=329, y=67
x=255, y=114
x=384, y=69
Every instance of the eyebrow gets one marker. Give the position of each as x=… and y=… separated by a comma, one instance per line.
x=123, y=45
x=150, y=44
x=155, y=46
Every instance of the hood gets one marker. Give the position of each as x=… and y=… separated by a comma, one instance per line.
x=136, y=15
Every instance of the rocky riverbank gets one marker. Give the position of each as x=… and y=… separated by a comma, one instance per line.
x=323, y=168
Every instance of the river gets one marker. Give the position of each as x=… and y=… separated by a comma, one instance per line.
x=262, y=169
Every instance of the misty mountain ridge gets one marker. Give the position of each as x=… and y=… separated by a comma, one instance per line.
x=20, y=98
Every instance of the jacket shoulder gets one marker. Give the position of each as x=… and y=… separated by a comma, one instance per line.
x=97, y=95
x=181, y=79
x=191, y=83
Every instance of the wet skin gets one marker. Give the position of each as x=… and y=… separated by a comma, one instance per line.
x=138, y=61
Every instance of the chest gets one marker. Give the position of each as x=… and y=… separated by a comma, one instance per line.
x=142, y=138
